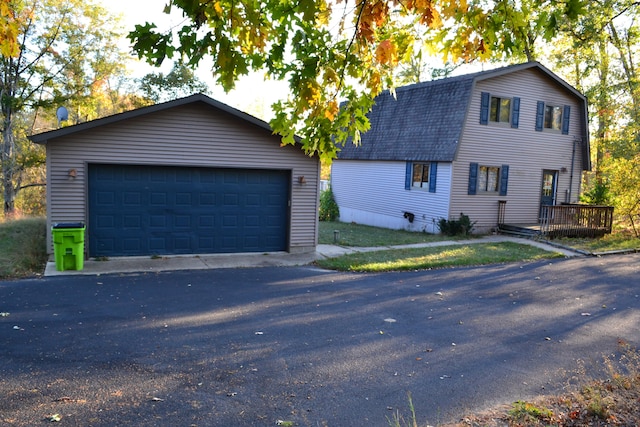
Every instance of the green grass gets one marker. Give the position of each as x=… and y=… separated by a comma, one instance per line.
x=618, y=241
x=436, y=257
x=22, y=247
x=364, y=236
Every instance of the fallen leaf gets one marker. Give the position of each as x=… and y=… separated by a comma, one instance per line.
x=55, y=418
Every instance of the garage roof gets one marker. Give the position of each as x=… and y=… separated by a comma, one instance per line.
x=44, y=137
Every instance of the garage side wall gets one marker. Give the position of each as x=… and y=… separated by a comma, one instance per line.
x=195, y=135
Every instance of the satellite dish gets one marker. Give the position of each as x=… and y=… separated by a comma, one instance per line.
x=62, y=114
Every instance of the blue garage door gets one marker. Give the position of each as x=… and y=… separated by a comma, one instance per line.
x=147, y=210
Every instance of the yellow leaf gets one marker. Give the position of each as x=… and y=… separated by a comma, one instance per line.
x=386, y=53
x=218, y=8
x=332, y=110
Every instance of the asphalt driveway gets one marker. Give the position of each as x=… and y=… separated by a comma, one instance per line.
x=255, y=346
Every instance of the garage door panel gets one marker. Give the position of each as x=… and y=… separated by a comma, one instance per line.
x=145, y=210
x=132, y=221
x=207, y=199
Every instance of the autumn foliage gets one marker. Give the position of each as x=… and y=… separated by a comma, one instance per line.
x=331, y=52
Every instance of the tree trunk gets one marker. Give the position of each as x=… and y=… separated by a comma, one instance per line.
x=626, y=59
x=602, y=108
x=8, y=163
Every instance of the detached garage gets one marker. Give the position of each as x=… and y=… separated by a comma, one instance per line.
x=190, y=176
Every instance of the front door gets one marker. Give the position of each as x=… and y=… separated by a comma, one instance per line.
x=548, y=191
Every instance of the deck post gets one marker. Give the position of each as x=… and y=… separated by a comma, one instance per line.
x=502, y=208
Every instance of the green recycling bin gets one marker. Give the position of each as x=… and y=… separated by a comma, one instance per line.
x=68, y=245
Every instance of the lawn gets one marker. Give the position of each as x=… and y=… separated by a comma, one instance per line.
x=437, y=257
x=618, y=241
x=22, y=247
x=365, y=236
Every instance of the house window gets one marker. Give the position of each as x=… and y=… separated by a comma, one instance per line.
x=552, y=117
x=497, y=109
x=420, y=177
x=488, y=178
x=500, y=109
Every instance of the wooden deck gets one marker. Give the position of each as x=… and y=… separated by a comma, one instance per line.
x=571, y=220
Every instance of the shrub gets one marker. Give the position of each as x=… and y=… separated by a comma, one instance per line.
x=455, y=227
x=598, y=195
x=329, y=210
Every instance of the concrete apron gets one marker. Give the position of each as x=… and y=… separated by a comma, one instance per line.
x=144, y=264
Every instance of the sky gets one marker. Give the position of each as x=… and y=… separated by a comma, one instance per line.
x=252, y=94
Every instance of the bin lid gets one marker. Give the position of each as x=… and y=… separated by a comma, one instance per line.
x=68, y=225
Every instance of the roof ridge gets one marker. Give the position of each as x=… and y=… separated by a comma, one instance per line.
x=467, y=76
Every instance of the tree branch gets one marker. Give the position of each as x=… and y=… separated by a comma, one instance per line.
x=38, y=184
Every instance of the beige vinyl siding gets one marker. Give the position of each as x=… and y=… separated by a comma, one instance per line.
x=373, y=193
x=190, y=135
x=526, y=151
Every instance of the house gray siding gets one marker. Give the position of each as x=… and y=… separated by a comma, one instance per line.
x=525, y=150
x=441, y=121
x=373, y=193
x=194, y=134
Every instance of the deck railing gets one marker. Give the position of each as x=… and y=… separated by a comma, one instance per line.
x=576, y=220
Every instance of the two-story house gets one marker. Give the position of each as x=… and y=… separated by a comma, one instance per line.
x=514, y=138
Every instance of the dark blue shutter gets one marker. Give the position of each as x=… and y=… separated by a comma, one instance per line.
x=515, y=113
x=485, y=100
x=504, y=179
x=473, y=178
x=565, y=119
x=540, y=116
x=433, y=173
x=407, y=177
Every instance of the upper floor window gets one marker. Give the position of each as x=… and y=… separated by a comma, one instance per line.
x=499, y=109
x=553, y=117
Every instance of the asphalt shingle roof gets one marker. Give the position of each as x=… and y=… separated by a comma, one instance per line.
x=424, y=123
